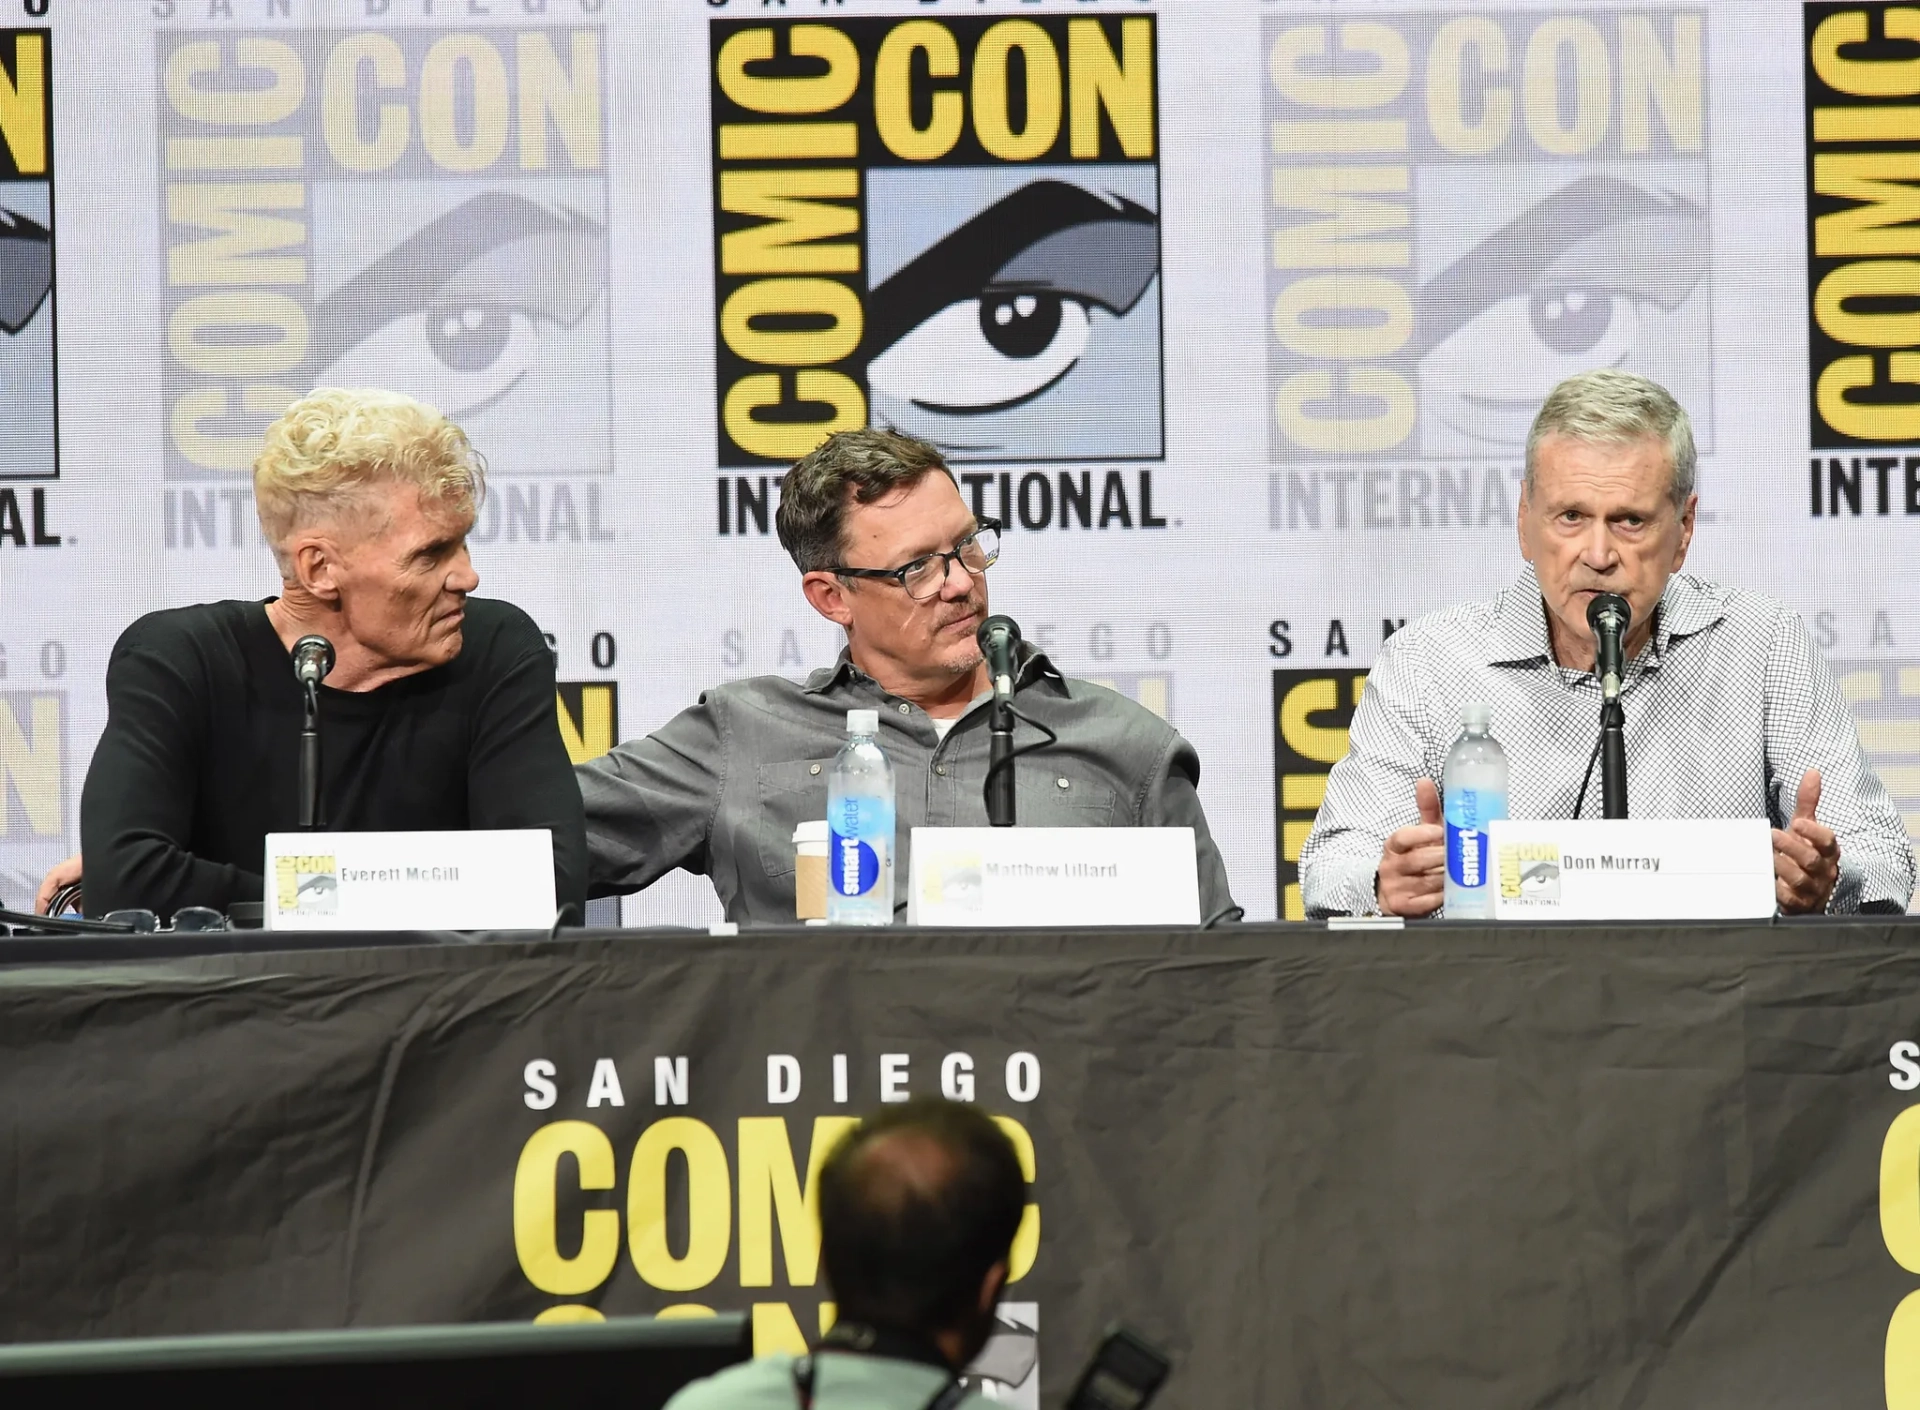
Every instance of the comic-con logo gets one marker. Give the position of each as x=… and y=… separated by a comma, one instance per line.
x=950, y=227
x=1463, y=211
x=1312, y=711
x=419, y=209
x=28, y=441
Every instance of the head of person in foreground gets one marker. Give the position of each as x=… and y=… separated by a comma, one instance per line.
x=919, y=1205
x=366, y=498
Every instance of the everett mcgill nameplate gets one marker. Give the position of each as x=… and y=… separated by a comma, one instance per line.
x=1632, y=869
x=1053, y=876
x=500, y=880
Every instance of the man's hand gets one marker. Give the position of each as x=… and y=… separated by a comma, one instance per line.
x=63, y=873
x=1413, y=868
x=1806, y=856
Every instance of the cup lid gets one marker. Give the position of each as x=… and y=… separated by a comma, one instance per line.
x=811, y=832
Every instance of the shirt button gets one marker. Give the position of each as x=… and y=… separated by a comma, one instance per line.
x=940, y=769
x=1062, y=783
x=814, y=769
x=904, y=707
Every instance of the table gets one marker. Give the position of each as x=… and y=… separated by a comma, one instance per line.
x=1444, y=1165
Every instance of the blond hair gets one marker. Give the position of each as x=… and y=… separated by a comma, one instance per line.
x=329, y=447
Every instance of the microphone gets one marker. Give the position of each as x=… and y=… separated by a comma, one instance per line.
x=998, y=637
x=312, y=659
x=1609, y=615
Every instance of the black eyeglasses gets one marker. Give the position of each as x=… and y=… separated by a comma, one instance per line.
x=926, y=575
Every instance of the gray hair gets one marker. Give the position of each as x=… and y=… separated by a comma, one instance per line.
x=1611, y=407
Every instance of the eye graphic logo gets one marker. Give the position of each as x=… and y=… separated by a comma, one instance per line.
x=28, y=413
x=422, y=210
x=952, y=230
x=1466, y=210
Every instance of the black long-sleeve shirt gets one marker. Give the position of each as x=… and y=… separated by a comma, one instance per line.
x=200, y=757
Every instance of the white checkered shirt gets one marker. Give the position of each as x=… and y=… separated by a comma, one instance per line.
x=1726, y=707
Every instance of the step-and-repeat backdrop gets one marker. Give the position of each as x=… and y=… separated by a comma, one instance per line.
x=1236, y=313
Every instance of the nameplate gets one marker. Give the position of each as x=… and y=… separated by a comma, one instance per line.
x=1632, y=869
x=500, y=880
x=1059, y=876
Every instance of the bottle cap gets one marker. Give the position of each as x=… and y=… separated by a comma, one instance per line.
x=863, y=722
x=1476, y=716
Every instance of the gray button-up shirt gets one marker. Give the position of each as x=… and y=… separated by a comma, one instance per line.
x=1727, y=706
x=719, y=789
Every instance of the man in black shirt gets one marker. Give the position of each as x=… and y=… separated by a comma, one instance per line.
x=438, y=713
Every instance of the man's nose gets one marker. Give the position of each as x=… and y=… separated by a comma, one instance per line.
x=1597, y=550
x=957, y=583
x=463, y=578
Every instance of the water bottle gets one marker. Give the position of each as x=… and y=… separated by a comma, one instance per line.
x=860, y=828
x=1474, y=785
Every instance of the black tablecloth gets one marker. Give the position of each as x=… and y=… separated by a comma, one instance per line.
x=1445, y=1165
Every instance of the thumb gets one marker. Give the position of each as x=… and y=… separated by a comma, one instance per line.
x=1809, y=796
x=1428, y=799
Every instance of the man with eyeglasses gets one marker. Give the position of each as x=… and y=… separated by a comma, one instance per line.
x=889, y=551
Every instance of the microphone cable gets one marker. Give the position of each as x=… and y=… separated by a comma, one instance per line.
x=1592, y=759
x=1024, y=749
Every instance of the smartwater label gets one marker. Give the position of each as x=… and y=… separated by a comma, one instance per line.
x=857, y=847
x=1468, y=811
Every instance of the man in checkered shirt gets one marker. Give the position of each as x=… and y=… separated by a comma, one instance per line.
x=1730, y=712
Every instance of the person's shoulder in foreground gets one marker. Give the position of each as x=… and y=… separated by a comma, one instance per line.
x=840, y=1383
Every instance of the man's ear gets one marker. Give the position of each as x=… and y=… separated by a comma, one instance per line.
x=1686, y=531
x=1520, y=525
x=827, y=594
x=993, y=1285
x=316, y=566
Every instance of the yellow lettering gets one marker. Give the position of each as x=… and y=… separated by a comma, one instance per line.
x=1026, y=1240
x=535, y=1237
x=571, y=101
x=1592, y=86
x=1320, y=743
x=1868, y=279
x=797, y=221
x=893, y=92
x=1869, y=421
x=1446, y=86
x=789, y=440
x=1866, y=78
x=32, y=765
x=339, y=103
x=1903, y=1355
x=23, y=105
x=992, y=119
x=247, y=312
x=813, y=298
x=569, y=1312
x=217, y=452
x=787, y=141
x=1878, y=123
x=1386, y=301
x=1383, y=430
x=1346, y=91
x=709, y=1205
x=770, y=1194
x=238, y=106
x=592, y=736
x=1883, y=222
x=1650, y=76
x=235, y=255
x=1340, y=240
x=487, y=73
x=1900, y=1189
x=776, y=1331
x=1124, y=87
x=820, y=93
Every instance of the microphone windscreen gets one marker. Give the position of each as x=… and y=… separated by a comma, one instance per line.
x=1610, y=604
x=1000, y=626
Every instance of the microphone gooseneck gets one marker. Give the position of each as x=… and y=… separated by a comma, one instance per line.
x=999, y=637
x=312, y=661
x=1610, y=615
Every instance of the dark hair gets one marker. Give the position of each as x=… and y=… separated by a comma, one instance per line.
x=917, y=1202
x=813, y=495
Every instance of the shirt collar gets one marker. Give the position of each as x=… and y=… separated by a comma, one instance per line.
x=1518, y=635
x=1033, y=665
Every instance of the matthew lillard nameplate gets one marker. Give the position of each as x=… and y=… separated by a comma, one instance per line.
x=497, y=880
x=1632, y=869
x=1053, y=876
